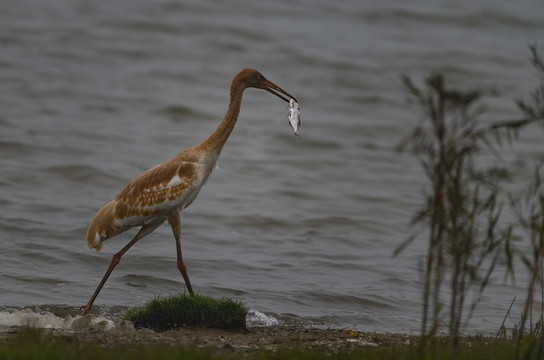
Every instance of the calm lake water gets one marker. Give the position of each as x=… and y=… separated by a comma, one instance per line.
x=302, y=229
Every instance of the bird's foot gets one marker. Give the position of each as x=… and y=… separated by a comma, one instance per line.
x=85, y=310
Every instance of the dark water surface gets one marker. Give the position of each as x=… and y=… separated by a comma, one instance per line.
x=303, y=229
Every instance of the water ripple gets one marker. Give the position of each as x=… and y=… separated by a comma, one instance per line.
x=301, y=229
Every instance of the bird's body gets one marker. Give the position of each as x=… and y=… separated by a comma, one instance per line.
x=152, y=196
x=162, y=192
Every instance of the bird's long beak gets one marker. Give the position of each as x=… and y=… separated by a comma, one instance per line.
x=276, y=90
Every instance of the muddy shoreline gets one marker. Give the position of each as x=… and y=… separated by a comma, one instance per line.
x=252, y=340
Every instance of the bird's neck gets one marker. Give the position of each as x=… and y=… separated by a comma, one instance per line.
x=214, y=144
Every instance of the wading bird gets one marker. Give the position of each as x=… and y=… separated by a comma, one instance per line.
x=162, y=192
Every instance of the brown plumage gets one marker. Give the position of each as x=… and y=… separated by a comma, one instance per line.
x=162, y=192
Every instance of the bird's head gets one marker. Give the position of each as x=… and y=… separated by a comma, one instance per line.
x=253, y=78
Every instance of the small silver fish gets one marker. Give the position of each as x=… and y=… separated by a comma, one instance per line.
x=294, y=116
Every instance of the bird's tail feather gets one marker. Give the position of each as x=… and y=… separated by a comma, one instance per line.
x=102, y=227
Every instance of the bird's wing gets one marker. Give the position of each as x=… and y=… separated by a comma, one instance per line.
x=157, y=191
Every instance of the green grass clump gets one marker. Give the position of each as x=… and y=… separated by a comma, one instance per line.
x=165, y=313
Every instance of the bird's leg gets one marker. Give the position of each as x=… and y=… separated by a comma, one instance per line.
x=145, y=230
x=175, y=221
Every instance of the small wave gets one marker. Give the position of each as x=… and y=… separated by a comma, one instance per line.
x=179, y=113
x=257, y=319
x=48, y=320
x=17, y=147
x=29, y=318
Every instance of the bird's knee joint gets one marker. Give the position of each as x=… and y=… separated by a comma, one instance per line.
x=115, y=259
x=182, y=267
